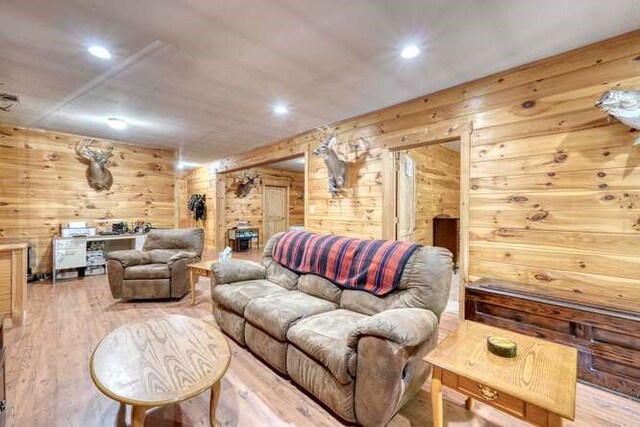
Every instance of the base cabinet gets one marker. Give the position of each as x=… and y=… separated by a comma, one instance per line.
x=608, y=342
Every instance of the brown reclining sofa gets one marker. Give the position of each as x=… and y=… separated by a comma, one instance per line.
x=361, y=355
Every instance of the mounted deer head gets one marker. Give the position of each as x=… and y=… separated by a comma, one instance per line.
x=336, y=168
x=624, y=105
x=98, y=175
x=246, y=184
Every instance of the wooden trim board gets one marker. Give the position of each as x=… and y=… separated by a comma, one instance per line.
x=389, y=196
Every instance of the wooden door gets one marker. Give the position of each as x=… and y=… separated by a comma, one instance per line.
x=276, y=210
x=406, y=197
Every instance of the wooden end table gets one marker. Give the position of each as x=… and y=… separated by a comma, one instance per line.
x=199, y=269
x=538, y=385
x=161, y=360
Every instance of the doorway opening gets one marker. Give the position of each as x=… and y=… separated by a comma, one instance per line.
x=428, y=201
x=260, y=202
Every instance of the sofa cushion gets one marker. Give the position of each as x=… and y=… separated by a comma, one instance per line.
x=147, y=271
x=275, y=313
x=237, y=295
x=281, y=275
x=319, y=287
x=323, y=337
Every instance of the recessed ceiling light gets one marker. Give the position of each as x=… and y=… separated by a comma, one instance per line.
x=116, y=123
x=280, y=109
x=100, y=52
x=410, y=52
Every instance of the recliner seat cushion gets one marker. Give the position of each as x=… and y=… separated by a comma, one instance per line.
x=275, y=313
x=237, y=295
x=323, y=337
x=147, y=271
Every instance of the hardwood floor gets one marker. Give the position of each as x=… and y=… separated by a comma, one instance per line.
x=48, y=379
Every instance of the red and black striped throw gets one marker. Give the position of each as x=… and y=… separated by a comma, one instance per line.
x=374, y=266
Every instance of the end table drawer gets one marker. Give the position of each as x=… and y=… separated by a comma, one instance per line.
x=491, y=396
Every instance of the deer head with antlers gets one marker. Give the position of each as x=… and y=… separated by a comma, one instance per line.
x=98, y=175
x=336, y=168
x=246, y=183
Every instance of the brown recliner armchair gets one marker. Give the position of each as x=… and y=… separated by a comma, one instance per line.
x=159, y=270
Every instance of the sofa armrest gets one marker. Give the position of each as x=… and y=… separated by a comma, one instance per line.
x=237, y=271
x=190, y=257
x=129, y=258
x=403, y=326
x=389, y=367
x=180, y=275
x=115, y=276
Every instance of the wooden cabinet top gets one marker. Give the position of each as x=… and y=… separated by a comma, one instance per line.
x=13, y=246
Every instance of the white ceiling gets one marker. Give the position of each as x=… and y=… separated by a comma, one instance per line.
x=202, y=75
x=293, y=165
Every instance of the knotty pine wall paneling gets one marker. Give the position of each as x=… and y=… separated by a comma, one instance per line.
x=554, y=185
x=199, y=181
x=250, y=208
x=44, y=186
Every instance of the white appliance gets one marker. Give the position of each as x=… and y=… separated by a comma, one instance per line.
x=78, y=232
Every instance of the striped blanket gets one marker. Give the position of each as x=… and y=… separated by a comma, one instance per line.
x=374, y=266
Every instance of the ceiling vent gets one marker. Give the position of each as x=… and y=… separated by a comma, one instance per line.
x=8, y=101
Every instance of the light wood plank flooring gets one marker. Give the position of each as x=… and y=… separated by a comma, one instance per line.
x=48, y=380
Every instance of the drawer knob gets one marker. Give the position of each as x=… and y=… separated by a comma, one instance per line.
x=487, y=393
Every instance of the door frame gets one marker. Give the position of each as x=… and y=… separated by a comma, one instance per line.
x=389, y=194
x=217, y=175
x=398, y=167
x=275, y=182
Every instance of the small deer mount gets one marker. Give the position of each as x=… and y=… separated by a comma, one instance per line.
x=624, y=105
x=98, y=175
x=336, y=168
x=247, y=182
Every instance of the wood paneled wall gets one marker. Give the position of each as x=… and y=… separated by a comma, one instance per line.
x=437, y=191
x=554, y=185
x=198, y=181
x=44, y=185
x=250, y=208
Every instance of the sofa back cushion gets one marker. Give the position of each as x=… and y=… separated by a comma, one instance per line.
x=374, y=266
x=319, y=287
x=425, y=283
x=187, y=239
x=281, y=276
x=276, y=273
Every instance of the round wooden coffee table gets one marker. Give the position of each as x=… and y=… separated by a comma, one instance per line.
x=159, y=361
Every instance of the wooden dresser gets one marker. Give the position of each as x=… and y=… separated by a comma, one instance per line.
x=446, y=234
x=608, y=342
x=13, y=281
